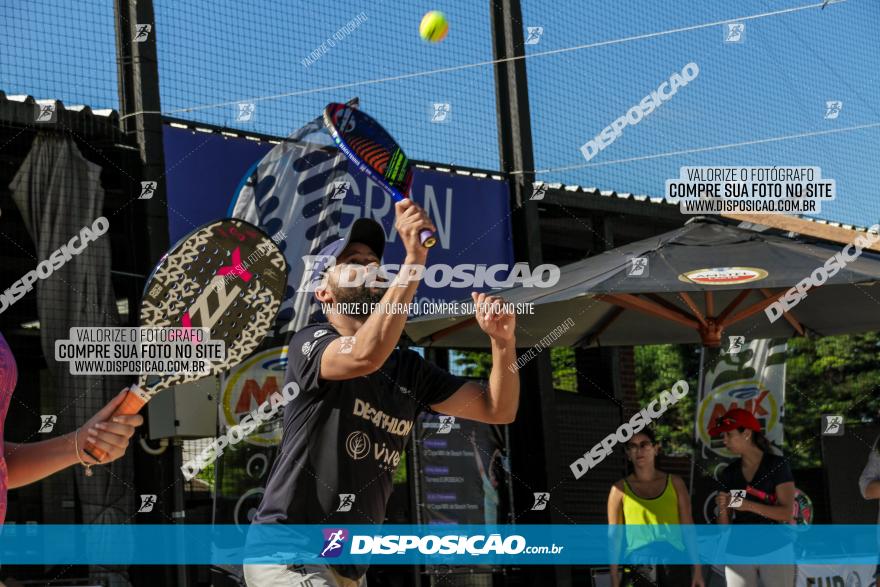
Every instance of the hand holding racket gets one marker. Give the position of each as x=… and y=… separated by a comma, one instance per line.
x=374, y=152
x=109, y=432
x=411, y=222
x=227, y=276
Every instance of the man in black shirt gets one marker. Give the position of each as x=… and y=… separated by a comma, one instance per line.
x=345, y=432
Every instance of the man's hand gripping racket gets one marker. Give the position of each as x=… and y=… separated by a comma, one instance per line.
x=227, y=276
x=374, y=152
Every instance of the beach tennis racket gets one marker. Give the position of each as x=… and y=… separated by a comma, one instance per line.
x=801, y=507
x=374, y=152
x=227, y=276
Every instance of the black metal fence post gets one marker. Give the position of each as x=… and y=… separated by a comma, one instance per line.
x=140, y=108
x=534, y=459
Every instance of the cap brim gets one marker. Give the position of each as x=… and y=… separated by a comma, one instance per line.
x=363, y=230
x=718, y=430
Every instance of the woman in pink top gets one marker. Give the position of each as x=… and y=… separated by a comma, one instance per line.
x=22, y=464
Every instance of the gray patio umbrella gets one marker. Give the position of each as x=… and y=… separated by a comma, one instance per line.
x=696, y=284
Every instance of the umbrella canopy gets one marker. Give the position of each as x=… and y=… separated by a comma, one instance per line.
x=696, y=284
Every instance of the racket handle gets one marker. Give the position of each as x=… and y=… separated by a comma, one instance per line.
x=428, y=239
x=131, y=404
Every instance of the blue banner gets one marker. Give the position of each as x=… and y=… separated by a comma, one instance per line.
x=204, y=171
x=436, y=545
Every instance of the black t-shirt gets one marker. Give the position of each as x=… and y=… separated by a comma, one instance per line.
x=773, y=470
x=345, y=437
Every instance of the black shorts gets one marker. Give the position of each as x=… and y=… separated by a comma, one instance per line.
x=666, y=576
x=658, y=574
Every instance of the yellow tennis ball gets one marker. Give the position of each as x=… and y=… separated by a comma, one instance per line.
x=434, y=27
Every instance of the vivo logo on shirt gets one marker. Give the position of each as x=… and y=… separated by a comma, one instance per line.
x=387, y=457
x=380, y=419
x=357, y=445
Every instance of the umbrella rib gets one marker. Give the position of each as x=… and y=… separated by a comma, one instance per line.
x=693, y=306
x=787, y=315
x=722, y=317
x=632, y=302
x=751, y=310
x=667, y=304
x=607, y=321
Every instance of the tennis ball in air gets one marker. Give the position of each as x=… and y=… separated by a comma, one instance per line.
x=434, y=27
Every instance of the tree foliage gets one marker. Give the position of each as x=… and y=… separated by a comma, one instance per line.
x=657, y=368
x=478, y=365
x=830, y=375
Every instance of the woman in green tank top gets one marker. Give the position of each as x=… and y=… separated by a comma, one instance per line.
x=657, y=503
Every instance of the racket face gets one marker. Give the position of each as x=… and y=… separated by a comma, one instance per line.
x=804, y=508
x=227, y=276
x=369, y=145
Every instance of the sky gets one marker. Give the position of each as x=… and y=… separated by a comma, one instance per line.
x=761, y=101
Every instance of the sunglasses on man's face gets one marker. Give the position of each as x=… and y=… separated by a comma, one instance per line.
x=644, y=444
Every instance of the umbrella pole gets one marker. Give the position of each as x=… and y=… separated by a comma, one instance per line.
x=700, y=382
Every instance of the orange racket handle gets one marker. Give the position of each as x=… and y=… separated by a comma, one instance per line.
x=131, y=404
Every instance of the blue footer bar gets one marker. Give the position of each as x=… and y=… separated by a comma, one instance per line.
x=438, y=545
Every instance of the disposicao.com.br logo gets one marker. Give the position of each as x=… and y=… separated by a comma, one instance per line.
x=462, y=275
x=431, y=544
x=334, y=540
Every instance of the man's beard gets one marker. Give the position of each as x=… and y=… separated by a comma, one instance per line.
x=359, y=297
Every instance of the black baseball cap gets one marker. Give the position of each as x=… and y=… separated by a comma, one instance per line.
x=363, y=230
